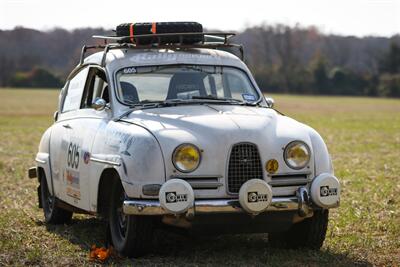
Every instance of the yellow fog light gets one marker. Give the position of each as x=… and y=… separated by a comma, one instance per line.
x=272, y=166
x=186, y=158
x=297, y=155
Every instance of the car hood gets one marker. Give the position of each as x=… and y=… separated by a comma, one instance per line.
x=215, y=128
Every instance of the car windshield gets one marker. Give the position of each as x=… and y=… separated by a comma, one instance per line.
x=184, y=82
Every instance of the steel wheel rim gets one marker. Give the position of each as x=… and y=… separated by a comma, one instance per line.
x=122, y=218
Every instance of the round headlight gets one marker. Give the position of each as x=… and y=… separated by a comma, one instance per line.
x=297, y=155
x=186, y=158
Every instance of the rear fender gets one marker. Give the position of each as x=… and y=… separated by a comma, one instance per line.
x=43, y=166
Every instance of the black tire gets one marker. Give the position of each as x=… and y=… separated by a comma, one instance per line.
x=131, y=236
x=309, y=233
x=52, y=213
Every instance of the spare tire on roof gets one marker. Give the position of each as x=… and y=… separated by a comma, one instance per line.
x=134, y=29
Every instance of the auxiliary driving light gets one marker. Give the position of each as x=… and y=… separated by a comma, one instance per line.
x=255, y=196
x=176, y=196
x=325, y=191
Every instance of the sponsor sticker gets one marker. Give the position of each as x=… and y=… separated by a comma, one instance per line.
x=73, y=186
x=325, y=191
x=72, y=179
x=86, y=157
x=73, y=193
x=253, y=197
x=173, y=197
x=249, y=97
x=129, y=70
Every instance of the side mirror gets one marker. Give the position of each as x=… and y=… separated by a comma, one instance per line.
x=99, y=104
x=270, y=102
x=55, y=115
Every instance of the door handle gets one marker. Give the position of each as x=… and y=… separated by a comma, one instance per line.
x=67, y=126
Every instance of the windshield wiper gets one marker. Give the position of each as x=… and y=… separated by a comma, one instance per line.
x=158, y=103
x=133, y=104
x=229, y=100
x=212, y=97
x=149, y=104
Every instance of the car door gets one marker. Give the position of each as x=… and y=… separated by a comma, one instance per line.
x=61, y=158
x=84, y=127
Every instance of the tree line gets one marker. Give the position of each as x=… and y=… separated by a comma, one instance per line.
x=304, y=61
x=283, y=59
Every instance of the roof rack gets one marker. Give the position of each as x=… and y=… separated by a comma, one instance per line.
x=211, y=40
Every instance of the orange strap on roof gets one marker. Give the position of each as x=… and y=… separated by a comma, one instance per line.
x=131, y=32
x=154, y=27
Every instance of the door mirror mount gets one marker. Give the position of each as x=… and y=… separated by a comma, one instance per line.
x=55, y=115
x=99, y=104
x=270, y=102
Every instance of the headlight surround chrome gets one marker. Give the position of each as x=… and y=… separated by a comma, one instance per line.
x=186, y=158
x=297, y=155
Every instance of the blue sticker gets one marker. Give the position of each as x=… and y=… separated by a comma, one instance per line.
x=249, y=97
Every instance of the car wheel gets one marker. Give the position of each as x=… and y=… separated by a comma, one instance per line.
x=131, y=235
x=309, y=233
x=52, y=213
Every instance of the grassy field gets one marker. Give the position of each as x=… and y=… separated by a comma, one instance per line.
x=363, y=135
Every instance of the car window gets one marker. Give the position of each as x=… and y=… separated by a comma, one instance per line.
x=76, y=85
x=96, y=86
x=236, y=85
x=160, y=83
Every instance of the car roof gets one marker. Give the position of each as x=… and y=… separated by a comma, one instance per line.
x=122, y=57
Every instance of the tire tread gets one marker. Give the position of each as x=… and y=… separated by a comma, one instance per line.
x=309, y=233
x=57, y=215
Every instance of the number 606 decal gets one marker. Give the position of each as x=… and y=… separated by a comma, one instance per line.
x=73, y=156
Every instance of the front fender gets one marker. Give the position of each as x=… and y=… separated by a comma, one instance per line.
x=139, y=157
x=322, y=159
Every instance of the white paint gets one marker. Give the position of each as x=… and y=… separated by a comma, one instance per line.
x=140, y=146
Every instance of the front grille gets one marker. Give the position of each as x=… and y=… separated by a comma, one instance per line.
x=287, y=184
x=203, y=183
x=244, y=165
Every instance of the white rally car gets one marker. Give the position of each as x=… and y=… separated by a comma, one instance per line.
x=158, y=129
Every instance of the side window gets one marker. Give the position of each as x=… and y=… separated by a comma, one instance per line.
x=96, y=86
x=76, y=85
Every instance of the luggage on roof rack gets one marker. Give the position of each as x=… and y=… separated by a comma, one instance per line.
x=147, y=28
x=163, y=35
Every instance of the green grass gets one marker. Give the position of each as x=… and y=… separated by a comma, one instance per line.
x=362, y=134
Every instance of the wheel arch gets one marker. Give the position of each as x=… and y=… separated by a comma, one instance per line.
x=323, y=162
x=107, y=179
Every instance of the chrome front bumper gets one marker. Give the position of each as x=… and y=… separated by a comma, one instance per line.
x=209, y=206
x=325, y=193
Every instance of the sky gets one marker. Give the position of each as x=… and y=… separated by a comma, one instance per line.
x=345, y=17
